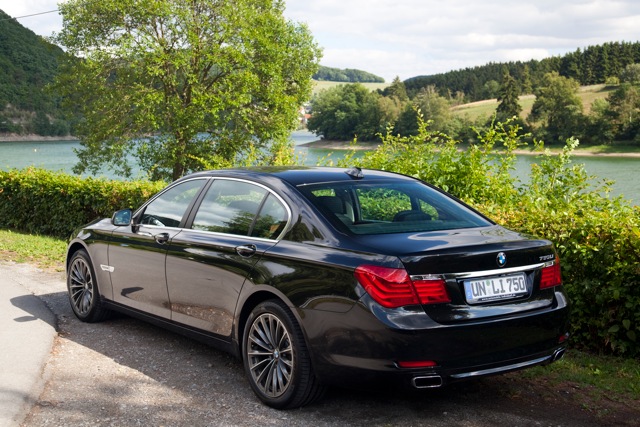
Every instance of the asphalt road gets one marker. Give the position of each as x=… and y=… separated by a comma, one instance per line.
x=124, y=372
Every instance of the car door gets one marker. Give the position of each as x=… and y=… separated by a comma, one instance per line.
x=208, y=263
x=137, y=253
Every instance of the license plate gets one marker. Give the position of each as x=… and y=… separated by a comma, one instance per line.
x=489, y=289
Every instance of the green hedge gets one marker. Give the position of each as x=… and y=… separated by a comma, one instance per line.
x=599, y=250
x=52, y=203
x=597, y=237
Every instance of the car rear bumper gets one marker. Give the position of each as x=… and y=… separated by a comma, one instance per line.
x=357, y=350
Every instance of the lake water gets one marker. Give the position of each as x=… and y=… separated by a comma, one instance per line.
x=59, y=156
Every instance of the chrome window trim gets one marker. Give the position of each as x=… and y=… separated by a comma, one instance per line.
x=160, y=193
x=213, y=179
x=226, y=235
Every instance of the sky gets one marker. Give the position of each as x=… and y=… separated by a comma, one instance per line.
x=408, y=38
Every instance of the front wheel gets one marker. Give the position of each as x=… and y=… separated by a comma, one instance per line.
x=276, y=359
x=84, y=295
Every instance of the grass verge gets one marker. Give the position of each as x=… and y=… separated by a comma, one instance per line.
x=45, y=252
x=606, y=376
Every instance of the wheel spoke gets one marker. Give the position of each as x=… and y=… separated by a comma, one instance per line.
x=270, y=355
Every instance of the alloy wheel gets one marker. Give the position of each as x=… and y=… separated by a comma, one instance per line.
x=270, y=355
x=81, y=286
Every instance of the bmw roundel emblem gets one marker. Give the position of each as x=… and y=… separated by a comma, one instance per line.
x=501, y=259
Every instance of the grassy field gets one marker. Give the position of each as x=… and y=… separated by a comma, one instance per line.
x=486, y=108
x=321, y=85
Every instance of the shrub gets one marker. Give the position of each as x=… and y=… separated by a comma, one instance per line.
x=53, y=203
x=597, y=237
x=598, y=240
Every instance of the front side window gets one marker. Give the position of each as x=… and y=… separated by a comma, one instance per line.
x=168, y=208
x=390, y=207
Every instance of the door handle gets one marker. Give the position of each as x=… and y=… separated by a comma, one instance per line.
x=246, y=250
x=161, y=238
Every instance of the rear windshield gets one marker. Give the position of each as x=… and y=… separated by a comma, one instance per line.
x=390, y=207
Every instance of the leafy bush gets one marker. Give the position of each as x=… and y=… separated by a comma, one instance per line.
x=52, y=203
x=597, y=237
x=598, y=240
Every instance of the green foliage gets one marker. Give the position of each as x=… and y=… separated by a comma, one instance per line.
x=616, y=118
x=631, y=74
x=588, y=66
x=508, y=106
x=170, y=82
x=347, y=75
x=27, y=64
x=597, y=237
x=474, y=175
x=43, y=251
x=429, y=106
x=396, y=90
x=558, y=107
x=348, y=111
x=43, y=202
x=623, y=113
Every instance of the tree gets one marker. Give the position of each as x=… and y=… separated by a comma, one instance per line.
x=558, y=107
x=631, y=74
x=490, y=89
x=183, y=84
x=508, y=106
x=347, y=111
x=526, y=85
x=427, y=105
x=396, y=89
x=623, y=112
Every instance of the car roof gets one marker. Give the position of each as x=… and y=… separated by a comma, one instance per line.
x=299, y=175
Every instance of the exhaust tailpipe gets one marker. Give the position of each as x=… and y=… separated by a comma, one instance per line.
x=430, y=381
x=558, y=354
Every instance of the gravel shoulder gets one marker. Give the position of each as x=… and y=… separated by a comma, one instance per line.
x=126, y=372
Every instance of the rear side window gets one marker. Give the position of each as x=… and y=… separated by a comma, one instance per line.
x=241, y=208
x=271, y=220
x=390, y=207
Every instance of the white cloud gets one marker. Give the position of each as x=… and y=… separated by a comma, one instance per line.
x=421, y=37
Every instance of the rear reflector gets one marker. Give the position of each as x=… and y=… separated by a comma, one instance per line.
x=550, y=275
x=432, y=291
x=392, y=287
x=417, y=364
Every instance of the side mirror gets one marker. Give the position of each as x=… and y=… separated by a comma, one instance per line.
x=122, y=217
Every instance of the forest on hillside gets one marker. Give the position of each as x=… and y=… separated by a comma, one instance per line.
x=28, y=63
x=347, y=75
x=588, y=66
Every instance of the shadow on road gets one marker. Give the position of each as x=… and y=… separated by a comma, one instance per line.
x=125, y=372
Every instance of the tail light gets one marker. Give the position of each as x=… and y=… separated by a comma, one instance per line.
x=393, y=287
x=550, y=275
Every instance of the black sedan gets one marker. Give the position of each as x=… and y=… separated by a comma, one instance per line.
x=321, y=276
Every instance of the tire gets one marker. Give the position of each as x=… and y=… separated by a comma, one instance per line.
x=276, y=359
x=82, y=287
